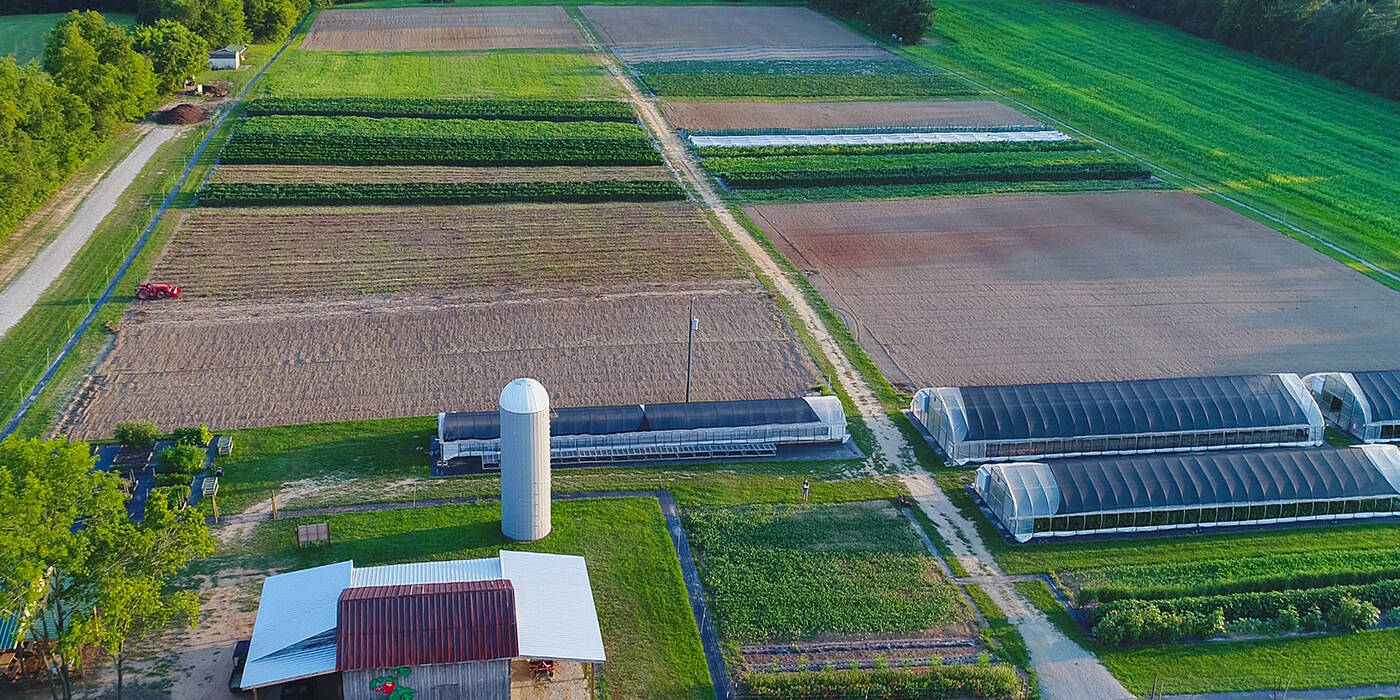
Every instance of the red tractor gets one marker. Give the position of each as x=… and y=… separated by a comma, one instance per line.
x=157, y=290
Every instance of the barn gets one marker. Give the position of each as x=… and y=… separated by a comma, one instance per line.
x=469, y=628
x=1146, y=493
x=608, y=434
x=1364, y=405
x=1037, y=421
x=228, y=58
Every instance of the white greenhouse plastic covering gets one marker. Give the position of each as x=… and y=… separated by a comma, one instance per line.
x=1365, y=405
x=735, y=141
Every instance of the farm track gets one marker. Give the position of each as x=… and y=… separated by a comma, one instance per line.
x=443, y=29
x=1065, y=671
x=328, y=174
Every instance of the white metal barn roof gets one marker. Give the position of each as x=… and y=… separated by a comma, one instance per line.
x=294, y=635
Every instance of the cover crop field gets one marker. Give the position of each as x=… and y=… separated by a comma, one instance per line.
x=1321, y=154
x=443, y=29
x=488, y=75
x=709, y=116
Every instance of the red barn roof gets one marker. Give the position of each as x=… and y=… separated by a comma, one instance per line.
x=412, y=625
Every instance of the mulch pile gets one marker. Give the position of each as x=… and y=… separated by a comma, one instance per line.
x=181, y=114
x=217, y=89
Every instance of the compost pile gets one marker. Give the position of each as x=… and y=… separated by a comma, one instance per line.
x=218, y=89
x=181, y=114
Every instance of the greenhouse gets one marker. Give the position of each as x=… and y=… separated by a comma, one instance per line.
x=1036, y=421
x=1145, y=493
x=1365, y=405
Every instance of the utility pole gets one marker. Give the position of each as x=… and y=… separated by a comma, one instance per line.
x=690, y=347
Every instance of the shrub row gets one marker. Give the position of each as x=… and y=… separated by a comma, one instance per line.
x=999, y=681
x=894, y=149
x=532, y=110
x=178, y=465
x=235, y=194
x=1341, y=608
x=1250, y=575
x=930, y=85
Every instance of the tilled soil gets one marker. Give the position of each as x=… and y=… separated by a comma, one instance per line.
x=327, y=174
x=237, y=370
x=717, y=26
x=813, y=115
x=1103, y=286
x=481, y=252
x=443, y=29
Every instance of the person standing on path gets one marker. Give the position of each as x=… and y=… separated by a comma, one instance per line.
x=806, y=490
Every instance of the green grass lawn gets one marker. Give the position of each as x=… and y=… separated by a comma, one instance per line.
x=1322, y=154
x=798, y=572
x=23, y=35
x=502, y=74
x=652, y=644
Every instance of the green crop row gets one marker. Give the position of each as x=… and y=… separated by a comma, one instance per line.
x=530, y=110
x=858, y=67
x=430, y=152
x=922, y=85
x=1000, y=681
x=880, y=149
x=1265, y=605
x=401, y=127
x=833, y=171
x=239, y=194
x=1242, y=575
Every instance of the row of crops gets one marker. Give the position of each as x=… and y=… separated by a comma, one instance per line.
x=815, y=172
x=787, y=78
x=434, y=132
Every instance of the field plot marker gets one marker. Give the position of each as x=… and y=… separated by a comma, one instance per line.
x=53, y=364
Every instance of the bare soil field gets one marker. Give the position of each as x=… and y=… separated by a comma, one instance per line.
x=717, y=25
x=443, y=29
x=277, y=174
x=270, y=365
x=812, y=115
x=1101, y=286
x=472, y=252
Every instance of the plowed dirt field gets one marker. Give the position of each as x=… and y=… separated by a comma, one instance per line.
x=473, y=252
x=287, y=365
x=717, y=26
x=812, y=115
x=443, y=29
x=275, y=174
x=1104, y=286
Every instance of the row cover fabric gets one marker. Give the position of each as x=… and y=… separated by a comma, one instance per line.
x=1382, y=392
x=1154, y=482
x=1040, y=411
x=611, y=420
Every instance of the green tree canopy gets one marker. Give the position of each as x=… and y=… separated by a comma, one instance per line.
x=45, y=134
x=95, y=60
x=176, y=53
x=272, y=20
x=219, y=22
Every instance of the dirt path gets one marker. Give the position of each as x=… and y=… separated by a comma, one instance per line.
x=1065, y=671
x=17, y=298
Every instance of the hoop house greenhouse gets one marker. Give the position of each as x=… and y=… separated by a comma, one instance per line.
x=1143, y=493
x=1035, y=421
x=1365, y=405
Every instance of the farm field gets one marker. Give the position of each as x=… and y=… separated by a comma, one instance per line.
x=1098, y=286
x=324, y=174
x=1321, y=154
x=413, y=356
x=717, y=25
x=488, y=75
x=704, y=116
x=443, y=29
x=478, y=253
x=22, y=36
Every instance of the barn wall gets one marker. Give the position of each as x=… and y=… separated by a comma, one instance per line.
x=477, y=680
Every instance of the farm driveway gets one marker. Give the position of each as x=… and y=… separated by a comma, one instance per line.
x=21, y=294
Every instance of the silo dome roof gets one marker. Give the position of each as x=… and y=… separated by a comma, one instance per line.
x=524, y=395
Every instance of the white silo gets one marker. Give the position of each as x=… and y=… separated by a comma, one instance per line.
x=525, y=460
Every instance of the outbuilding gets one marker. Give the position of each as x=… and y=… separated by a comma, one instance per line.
x=1145, y=493
x=1038, y=421
x=1364, y=405
x=228, y=58
x=469, y=628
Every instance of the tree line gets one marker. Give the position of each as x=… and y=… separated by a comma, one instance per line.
x=906, y=21
x=97, y=76
x=1354, y=41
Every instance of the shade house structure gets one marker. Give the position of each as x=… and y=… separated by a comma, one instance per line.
x=1365, y=405
x=1144, y=493
x=1040, y=421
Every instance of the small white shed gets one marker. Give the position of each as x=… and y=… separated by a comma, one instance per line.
x=227, y=58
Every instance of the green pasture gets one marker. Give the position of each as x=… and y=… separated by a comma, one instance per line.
x=23, y=35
